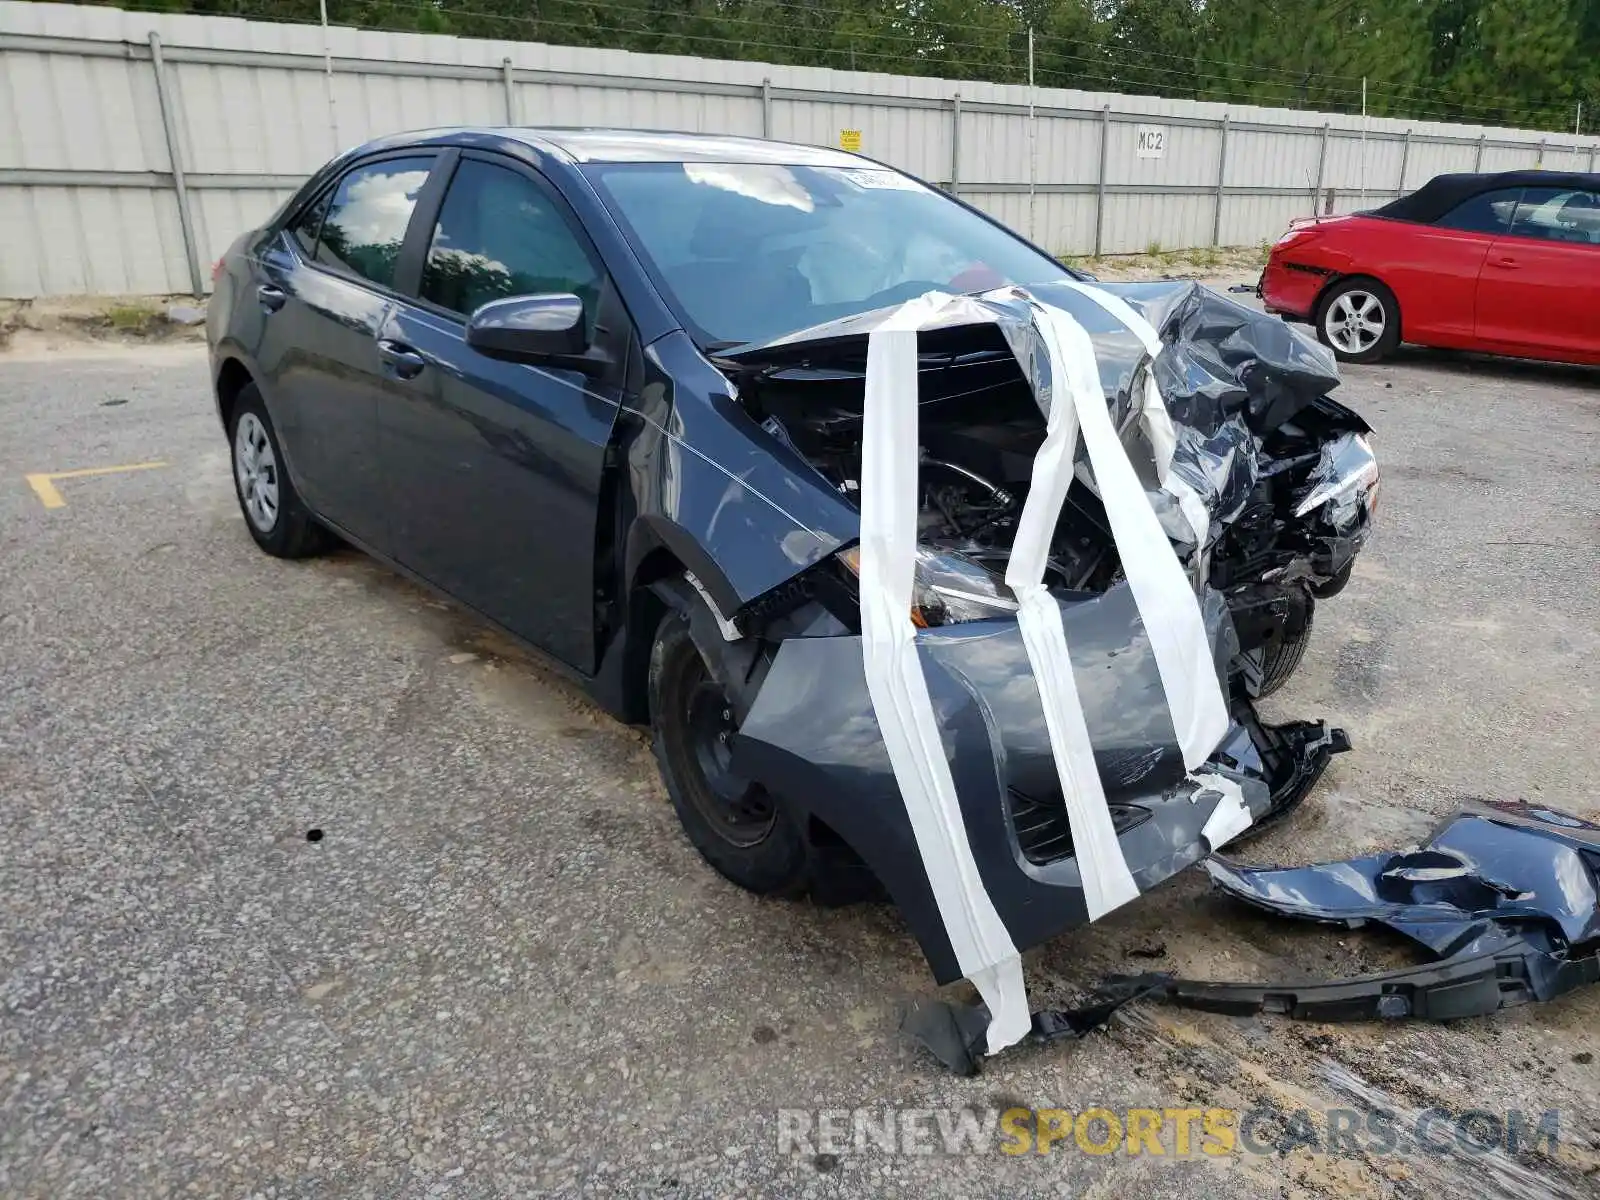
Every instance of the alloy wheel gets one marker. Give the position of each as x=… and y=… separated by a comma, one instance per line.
x=1354, y=322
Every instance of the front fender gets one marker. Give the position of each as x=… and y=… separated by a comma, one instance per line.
x=732, y=503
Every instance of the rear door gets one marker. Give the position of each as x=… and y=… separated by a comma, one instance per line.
x=495, y=467
x=325, y=287
x=1540, y=289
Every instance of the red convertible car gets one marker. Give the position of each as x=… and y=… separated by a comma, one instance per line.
x=1505, y=264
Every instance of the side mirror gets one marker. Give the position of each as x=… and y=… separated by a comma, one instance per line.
x=528, y=328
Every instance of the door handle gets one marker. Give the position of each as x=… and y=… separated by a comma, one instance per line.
x=405, y=361
x=272, y=298
x=1505, y=264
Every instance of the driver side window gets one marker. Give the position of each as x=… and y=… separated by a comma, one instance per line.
x=1558, y=215
x=499, y=234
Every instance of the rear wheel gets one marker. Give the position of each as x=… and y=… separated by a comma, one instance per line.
x=278, y=521
x=1359, y=320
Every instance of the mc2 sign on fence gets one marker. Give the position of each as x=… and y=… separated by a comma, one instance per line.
x=1152, y=141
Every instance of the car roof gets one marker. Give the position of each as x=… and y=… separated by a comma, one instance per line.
x=585, y=145
x=1443, y=192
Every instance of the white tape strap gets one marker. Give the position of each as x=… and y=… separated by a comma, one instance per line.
x=895, y=681
x=1107, y=882
x=1167, y=604
x=1153, y=415
x=1230, y=817
x=893, y=668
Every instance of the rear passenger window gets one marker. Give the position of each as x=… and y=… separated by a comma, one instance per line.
x=1489, y=212
x=500, y=234
x=366, y=223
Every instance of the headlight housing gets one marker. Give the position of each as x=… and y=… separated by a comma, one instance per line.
x=949, y=588
x=1344, y=477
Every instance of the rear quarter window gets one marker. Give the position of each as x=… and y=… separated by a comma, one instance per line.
x=1487, y=212
x=305, y=228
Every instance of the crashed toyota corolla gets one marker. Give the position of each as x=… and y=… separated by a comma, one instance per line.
x=934, y=567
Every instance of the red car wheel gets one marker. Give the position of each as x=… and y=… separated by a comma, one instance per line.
x=1359, y=320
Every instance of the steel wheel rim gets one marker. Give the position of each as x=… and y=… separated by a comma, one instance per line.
x=255, y=469
x=1355, y=321
x=741, y=812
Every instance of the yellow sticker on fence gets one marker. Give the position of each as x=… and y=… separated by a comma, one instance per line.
x=850, y=139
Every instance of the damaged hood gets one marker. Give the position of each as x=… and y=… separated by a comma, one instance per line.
x=1226, y=378
x=1219, y=358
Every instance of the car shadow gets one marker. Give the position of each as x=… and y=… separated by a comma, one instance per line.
x=1466, y=362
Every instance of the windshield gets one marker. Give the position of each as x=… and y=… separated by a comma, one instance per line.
x=747, y=251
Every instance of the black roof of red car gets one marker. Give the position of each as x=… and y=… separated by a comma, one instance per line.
x=1443, y=192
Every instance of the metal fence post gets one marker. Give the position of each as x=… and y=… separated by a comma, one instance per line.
x=1100, y=182
x=1222, y=172
x=1322, y=165
x=1477, y=163
x=766, y=108
x=510, y=82
x=169, y=125
x=1539, y=162
x=1405, y=161
x=955, y=144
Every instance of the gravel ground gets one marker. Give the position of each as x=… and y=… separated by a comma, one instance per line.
x=502, y=970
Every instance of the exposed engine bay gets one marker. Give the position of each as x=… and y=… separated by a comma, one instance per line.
x=1284, y=473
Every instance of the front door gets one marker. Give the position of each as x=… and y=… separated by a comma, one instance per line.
x=494, y=468
x=1540, y=289
x=1434, y=269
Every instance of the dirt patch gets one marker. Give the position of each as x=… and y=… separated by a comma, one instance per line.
x=62, y=322
x=1245, y=262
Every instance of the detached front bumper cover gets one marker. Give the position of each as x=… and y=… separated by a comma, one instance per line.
x=1505, y=895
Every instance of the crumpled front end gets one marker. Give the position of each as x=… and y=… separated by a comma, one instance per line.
x=1021, y=718
x=811, y=737
x=1224, y=415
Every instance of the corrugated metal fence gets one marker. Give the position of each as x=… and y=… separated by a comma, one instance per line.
x=135, y=146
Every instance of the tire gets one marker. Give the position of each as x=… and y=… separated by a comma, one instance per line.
x=1359, y=320
x=273, y=512
x=747, y=834
x=1280, y=659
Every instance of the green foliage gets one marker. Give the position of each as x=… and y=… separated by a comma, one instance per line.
x=131, y=317
x=1517, y=62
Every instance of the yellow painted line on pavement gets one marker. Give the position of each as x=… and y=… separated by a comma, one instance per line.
x=44, y=483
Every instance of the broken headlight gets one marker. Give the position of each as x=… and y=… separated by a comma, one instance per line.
x=1345, y=477
x=949, y=588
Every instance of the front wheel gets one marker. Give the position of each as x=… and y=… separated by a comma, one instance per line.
x=1359, y=320
x=751, y=836
x=740, y=828
x=1280, y=658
